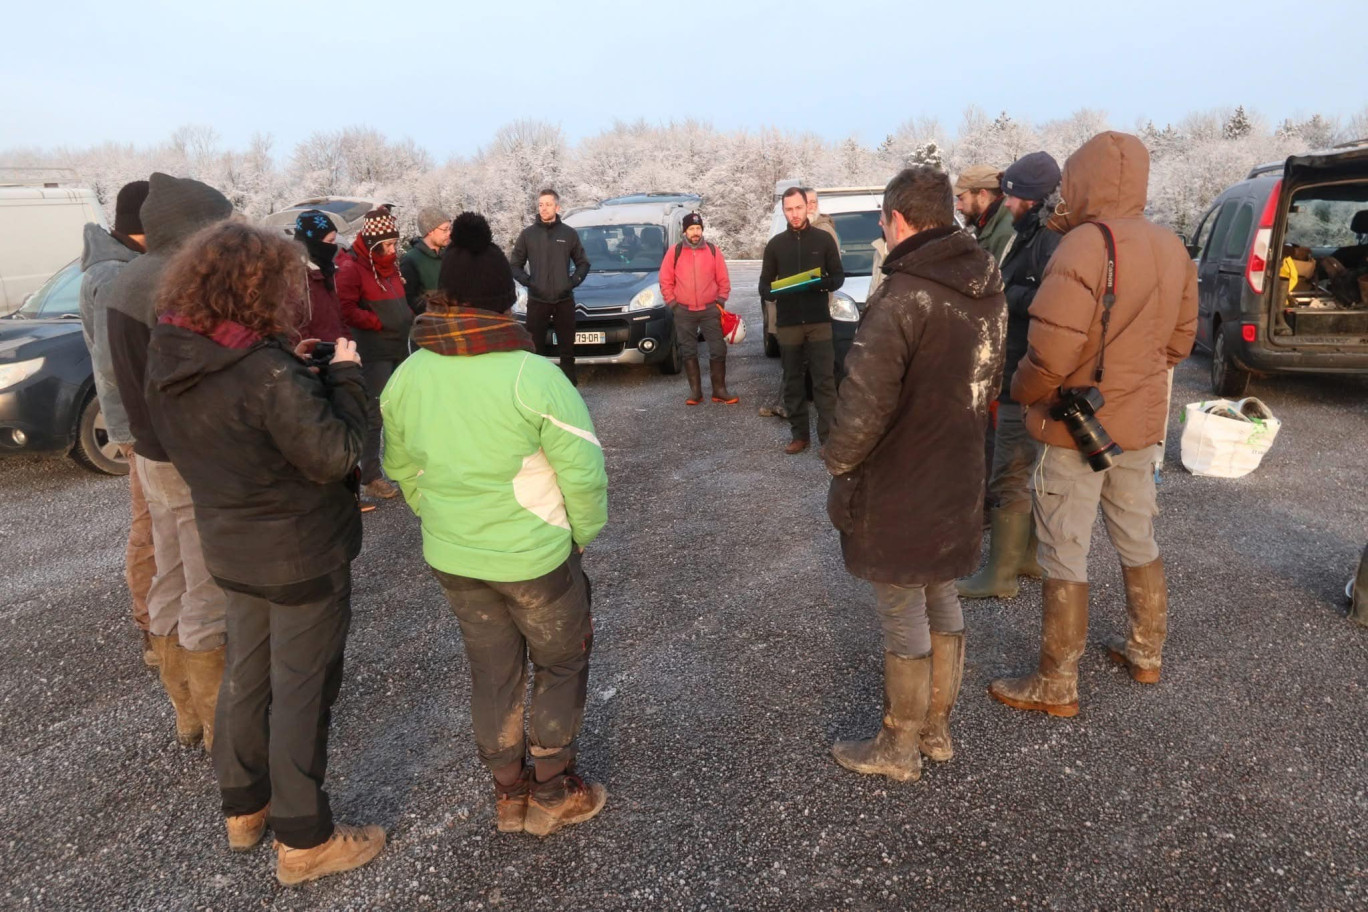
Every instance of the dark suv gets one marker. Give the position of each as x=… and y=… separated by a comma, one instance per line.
x=1282, y=270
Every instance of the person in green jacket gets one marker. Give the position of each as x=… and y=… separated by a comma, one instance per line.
x=495, y=452
x=978, y=197
x=422, y=263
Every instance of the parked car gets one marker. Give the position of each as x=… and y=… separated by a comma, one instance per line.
x=855, y=213
x=1308, y=215
x=47, y=383
x=346, y=213
x=41, y=227
x=620, y=315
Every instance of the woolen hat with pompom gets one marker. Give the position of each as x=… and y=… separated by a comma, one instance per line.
x=475, y=272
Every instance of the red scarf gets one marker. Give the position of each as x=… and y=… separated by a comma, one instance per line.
x=384, y=267
x=227, y=333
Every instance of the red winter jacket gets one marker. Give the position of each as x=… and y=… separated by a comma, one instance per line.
x=320, y=314
x=698, y=279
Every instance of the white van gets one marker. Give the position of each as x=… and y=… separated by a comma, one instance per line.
x=41, y=230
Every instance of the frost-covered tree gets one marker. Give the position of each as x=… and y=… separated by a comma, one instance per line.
x=1237, y=126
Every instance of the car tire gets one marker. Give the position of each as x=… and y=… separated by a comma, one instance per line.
x=674, y=362
x=93, y=449
x=1228, y=380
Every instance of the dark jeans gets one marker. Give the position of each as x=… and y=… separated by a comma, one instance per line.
x=689, y=322
x=546, y=619
x=810, y=344
x=284, y=671
x=561, y=314
x=376, y=375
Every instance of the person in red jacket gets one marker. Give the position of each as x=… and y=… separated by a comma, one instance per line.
x=694, y=282
x=374, y=305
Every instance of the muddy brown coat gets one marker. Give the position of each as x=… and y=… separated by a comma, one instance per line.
x=907, y=443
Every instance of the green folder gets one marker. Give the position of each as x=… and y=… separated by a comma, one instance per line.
x=796, y=281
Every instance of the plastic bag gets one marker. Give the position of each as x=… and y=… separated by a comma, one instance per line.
x=733, y=327
x=1226, y=439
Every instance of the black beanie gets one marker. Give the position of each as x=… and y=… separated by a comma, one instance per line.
x=128, y=208
x=1031, y=177
x=693, y=218
x=475, y=272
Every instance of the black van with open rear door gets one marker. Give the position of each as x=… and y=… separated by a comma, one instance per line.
x=1282, y=270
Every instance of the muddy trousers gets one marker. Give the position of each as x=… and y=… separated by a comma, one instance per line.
x=376, y=374
x=541, y=316
x=546, y=619
x=808, y=344
x=1067, y=495
x=908, y=614
x=282, y=676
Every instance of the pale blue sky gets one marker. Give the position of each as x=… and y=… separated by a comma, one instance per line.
x=449, y=74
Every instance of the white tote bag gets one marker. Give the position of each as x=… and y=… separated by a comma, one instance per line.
x=1222, y=445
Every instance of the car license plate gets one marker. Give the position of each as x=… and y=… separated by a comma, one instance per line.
x=587, y=338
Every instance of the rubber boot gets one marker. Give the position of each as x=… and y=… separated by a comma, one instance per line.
x=1147, y=610
x=717, y=371
x=947, y=671
x=1358, y=593
x=695, y=382
x=349, y=847
x=562, y=801
x=1030, y=561
x=1006, y=553
x=149, y=654
x=171, y=668
x=204, y=671
x=1053, y=688
x=893, y=752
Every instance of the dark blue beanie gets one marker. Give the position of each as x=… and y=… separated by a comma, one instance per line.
x=1031, y=177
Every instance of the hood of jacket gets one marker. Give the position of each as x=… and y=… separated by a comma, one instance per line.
x=180, y=358
x=103, y=247
x=1107, y=178
x=948, y=257
x=177, y=207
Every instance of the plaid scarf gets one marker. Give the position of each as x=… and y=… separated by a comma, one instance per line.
x=453, y=330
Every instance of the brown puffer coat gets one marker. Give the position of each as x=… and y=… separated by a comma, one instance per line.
x=906, y=446
x=1154, y=317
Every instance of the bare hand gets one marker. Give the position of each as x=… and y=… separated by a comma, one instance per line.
x=346, y=353
x=305, y=348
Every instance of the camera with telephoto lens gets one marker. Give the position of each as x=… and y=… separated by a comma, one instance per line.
x=1077, y=408
x=322, y=354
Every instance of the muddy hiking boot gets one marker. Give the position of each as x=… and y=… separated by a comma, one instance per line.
x=174, y=679
x=246, y=830
x=1010, y=554
x=947, y=672
x=894, y=751
x=1053, y=687
x=204, y=674
x=1147, y=611
x=695, y=377
x=773, y=411
x=348, y=848
x=718, y=376
x=510, y=803
x=562, y=801
x=380, y=488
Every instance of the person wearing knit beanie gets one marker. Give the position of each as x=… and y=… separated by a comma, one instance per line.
x=475, y=272
x=423, y=260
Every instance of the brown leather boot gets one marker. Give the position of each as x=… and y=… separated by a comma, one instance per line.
x=349, y=847
x=717, y=371
x=245, y=830
x=695, y=382
x=1147, y=609
x=893, y=752
x=204, y=672
x=171, y=668
x=1053, y=688
x=563, y=801
x=797, y=445
x=510, y=801
x=947, y=671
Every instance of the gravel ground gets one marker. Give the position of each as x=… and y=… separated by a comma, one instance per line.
x=731, y=649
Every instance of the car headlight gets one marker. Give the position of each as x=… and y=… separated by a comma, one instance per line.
x=17, y=372
x=647, y=298
x=520, y=302
x=844, y=308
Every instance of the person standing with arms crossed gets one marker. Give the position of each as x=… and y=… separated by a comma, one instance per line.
x=541, y=262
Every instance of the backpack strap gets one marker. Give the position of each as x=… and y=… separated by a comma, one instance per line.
x=1108, y=296
x=679, y=248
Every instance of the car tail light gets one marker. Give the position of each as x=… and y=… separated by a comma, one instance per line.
x=1258, y=253
x=1249, y=332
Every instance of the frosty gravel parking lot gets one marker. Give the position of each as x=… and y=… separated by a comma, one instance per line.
x=731, y=649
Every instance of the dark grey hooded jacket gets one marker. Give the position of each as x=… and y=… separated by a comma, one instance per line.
x=103, y=258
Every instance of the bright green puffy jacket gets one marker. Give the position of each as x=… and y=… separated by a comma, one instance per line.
x=496, y=454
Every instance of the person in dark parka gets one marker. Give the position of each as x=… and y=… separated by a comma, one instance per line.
x=907, y=455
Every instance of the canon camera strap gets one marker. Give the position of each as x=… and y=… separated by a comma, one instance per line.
x=1108, y=296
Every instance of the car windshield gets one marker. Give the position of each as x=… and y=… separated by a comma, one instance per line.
x=59, y=297
x=623, y=248
x=857, y=230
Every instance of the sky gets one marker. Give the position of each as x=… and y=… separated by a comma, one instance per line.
x=449, y=74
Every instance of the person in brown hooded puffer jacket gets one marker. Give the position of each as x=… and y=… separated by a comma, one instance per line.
x=1153, y=316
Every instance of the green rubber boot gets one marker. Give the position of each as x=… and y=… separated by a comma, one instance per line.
x=1007, y=538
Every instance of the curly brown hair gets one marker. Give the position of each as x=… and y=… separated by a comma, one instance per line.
x=235, y=271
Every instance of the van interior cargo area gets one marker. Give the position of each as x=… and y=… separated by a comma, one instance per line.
x=1321, y=290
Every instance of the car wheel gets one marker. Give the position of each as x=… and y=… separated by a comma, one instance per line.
x=674, y=362
x=93, y=449
x=1228, y=380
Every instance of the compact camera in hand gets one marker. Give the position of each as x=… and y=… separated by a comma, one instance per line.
x=322, y=355
x=1077, y=408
